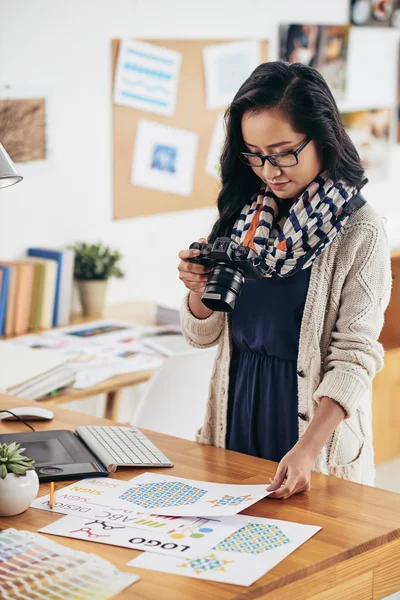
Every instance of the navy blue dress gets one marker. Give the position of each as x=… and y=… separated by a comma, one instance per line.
x=262, y=410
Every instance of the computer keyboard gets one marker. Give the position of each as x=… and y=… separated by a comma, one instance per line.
x=122, y=446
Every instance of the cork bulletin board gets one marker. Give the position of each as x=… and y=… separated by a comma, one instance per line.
x=190, y=114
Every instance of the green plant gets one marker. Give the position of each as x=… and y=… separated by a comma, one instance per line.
x=12, y=461
x=95, y=261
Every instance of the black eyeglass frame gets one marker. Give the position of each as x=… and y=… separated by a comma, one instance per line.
x=270, y=157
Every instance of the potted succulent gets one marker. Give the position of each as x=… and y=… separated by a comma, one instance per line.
x=94, y=265
x=19, y=483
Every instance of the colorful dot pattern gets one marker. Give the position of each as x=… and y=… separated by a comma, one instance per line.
x=230, y=500
x=206, y=563
x=163, y=494
x=254, y=539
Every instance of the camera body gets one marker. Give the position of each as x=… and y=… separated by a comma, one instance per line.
x=231, y=264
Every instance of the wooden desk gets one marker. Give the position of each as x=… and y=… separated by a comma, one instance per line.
x=355, y=556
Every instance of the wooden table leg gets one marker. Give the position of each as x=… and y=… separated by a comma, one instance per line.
x=111, y=409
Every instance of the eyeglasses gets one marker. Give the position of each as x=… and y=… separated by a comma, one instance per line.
x=280, y=159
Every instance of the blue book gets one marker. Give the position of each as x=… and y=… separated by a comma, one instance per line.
x=53, y=255
x=3, y=296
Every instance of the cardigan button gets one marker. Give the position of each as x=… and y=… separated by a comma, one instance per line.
x=300, y=373
x=303, y=416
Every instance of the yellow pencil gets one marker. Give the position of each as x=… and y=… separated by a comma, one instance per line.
x=51, y=494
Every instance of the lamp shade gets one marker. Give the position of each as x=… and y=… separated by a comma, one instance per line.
x=8, y=171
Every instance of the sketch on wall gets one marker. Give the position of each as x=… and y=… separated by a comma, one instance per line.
x=147, y=77
x=323, y=47
x=23, y=128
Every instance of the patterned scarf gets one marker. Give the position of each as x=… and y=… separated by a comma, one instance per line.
x=284, y=243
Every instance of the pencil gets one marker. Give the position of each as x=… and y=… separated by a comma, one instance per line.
x=51, y=494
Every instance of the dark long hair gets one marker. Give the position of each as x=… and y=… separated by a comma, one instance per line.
x=302, y=93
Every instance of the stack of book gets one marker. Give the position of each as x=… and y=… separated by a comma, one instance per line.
x=32, y=374
x=36, y=292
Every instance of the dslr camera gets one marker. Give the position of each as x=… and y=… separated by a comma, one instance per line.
x=231, y=264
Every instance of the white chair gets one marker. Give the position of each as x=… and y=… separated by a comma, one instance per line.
x=175, y=400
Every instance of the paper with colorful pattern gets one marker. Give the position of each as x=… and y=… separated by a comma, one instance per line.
x=167, y=495
x=242, y=558
x=191, y=539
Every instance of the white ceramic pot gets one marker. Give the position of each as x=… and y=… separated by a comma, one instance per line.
x=17, y=492
x=92, y=295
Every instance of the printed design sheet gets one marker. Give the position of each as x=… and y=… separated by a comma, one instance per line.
x=190, y=539
x=188, y=536
x=167, y=495
x=242, y=558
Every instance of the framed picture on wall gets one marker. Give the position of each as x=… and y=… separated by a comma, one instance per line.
x=369, y=131
x=323, y=47
x=375, y=13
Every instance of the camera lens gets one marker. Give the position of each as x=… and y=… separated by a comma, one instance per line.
x=223, y=287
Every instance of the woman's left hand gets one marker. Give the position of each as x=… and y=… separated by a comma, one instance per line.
x=295, y=467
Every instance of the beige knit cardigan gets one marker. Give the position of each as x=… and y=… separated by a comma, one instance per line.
x=338, y=354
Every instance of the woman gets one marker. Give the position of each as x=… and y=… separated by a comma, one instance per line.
x=292, y=378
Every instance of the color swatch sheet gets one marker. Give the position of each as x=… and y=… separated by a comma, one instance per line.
x=242, y=558
x=130, y=528
x=33, y=567
x=176, y=496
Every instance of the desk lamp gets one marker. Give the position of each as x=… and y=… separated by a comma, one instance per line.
x=8, y=171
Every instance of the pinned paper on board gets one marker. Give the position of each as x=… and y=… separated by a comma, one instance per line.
x=167, y=495
x=214, y=153
x=147, y=77
x=242, y=558
x=164, y=158
x=226, y=67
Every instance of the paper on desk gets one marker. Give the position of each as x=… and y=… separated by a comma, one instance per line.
x=178, y=536
x=167, y=495
x=242, y=558
x=102, y=331
x=98, y=356
x=188, y=540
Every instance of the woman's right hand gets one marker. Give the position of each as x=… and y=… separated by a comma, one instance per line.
x=193, y=276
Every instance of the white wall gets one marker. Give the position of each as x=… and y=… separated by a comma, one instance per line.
x=63, y=46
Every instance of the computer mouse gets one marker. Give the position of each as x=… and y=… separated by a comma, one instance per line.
x=28, y=413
